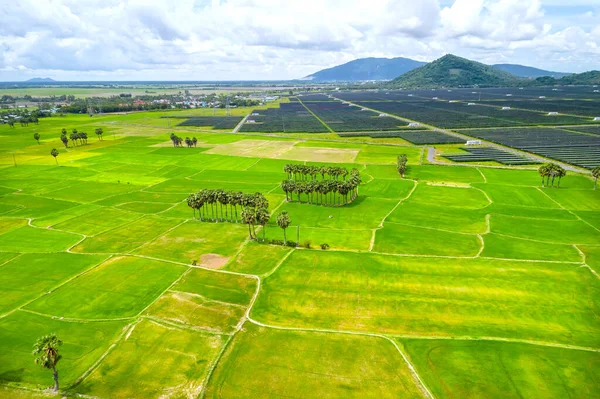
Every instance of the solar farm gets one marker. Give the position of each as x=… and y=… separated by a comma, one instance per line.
x=343, y=244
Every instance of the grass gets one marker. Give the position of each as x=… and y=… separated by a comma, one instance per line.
x=110, y=290
x=83, y=344
x=154, y=360
x=402, y=262
x=29, y=276
x=272, y=364
x=480, y=369
x=458, y=297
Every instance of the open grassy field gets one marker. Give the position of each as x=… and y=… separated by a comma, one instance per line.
x=452, y=282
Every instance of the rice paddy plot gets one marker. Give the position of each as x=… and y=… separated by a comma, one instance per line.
x=196, y=312
x=485, y=154
x=550, y=231
x=83, y=344
x=111, y=290
x=204, y=243
x=275, y=363
x=483, y=369
x=154, y=360
x=412, y=240
x=31, y=239
x=459, y=197
x=421, y=296
x=96, y=222
x=29, y=276
x=498, y=246
x=458, y=220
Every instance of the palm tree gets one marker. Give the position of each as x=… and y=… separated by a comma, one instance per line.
x=596, y=174
x=262, y=218
x=543, y=171
x=99, y=133
x=284, y=221
x=402, y=159
x=560, y=173
x=249, y=217
x=63, y=132
x=65, y=140
x=54, y=153
x=46, y=351
x=36, y=136
x=194, y=141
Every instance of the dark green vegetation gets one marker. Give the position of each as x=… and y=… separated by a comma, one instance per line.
x=453, y=71
x=435, y=281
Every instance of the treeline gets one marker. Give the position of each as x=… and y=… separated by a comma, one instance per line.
x=77, y=137
x=551, y=171
x=178, y=141
x=303, y=179
x=216, y=205
x=303, y=172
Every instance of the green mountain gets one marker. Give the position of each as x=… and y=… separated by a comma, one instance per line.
x=453, y=71
x=366, y=69
x=523, y=71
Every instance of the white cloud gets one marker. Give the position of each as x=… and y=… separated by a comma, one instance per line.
x=275, y=39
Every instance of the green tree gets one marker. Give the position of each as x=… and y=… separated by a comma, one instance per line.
x=45, y=350
x=402, y=159
x=284, y=221
x=249, y=217
x=543, y=171
x=36, y=136
x=262, y=218
x=99, y=133
x=54, y=153
x=596, y=174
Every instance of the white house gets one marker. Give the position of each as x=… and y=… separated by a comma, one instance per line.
x=471, y=104
x=473, y=142
x=364, y=109
x=413, y=124
x=255, y=114
x=505, y=108
x=250, y=121
x=509, y=95
x=597, y=119
x=552, y=113
x=383, y=114
x=434, y=98
x=542, y=97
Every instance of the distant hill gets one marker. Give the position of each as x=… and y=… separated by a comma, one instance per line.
x=453, y=71
x=40, y=80
x=585, y=78
x=523, y=71
x=366, y=69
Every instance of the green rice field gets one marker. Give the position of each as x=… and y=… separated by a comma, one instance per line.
x=460, y=280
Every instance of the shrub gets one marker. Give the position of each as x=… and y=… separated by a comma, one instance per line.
x=307, y=244
x=276, y=242
x=324, y=246
x=292, y=244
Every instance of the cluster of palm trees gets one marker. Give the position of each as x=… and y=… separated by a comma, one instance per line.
x=551, y=171
x=25, y=121
x=304, y=172
x=191, y=142
x=218, y=205
x=324, y=192
x=401, y=164
x=178, y=141
x=75, y=136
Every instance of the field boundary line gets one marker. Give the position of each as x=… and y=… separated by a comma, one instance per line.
x=17, y=254
x=60, y=284
x=415, y=184
x=568, y=210
x=279, y=263
x=207, y=300
x=180, y=326
x=417, y=379
x=76, y=319
x=241, y=123
x=126, y=331
x=482, y=175
x=214, y=364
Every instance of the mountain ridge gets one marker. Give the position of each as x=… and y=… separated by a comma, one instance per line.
x=362, y=69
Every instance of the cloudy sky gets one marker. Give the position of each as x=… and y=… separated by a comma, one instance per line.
x=283, y=39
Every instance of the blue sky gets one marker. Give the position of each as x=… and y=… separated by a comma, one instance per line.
x=284, y=39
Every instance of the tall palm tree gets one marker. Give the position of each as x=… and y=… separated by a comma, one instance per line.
x=543, y=171
x=596, y=174
x=54, y=153
x=262, y=217
x=284, y=221
x=99, y=132
x=36, y=136
x=249, y=217
x=46, y=352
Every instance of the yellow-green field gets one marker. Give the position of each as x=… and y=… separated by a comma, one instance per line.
x=454, y=282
